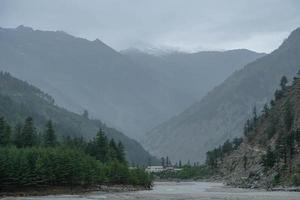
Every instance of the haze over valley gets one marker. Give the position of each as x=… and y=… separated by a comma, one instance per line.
x=113, y=96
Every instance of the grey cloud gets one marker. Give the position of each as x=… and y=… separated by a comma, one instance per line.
x=188, y=25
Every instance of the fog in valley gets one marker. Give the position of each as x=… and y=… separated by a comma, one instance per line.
x=142, y=95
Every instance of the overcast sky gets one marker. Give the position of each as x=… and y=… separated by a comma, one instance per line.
x=188, y=25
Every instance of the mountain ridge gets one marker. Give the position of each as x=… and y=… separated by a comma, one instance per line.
x=89, y=75
x=220, y=115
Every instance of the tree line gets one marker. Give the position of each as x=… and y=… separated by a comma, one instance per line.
x=29, y=158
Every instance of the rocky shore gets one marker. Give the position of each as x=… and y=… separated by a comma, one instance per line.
x=57, y=190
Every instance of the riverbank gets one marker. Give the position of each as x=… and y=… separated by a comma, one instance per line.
x=241, y=186
x=66, y=190
x=178, y=191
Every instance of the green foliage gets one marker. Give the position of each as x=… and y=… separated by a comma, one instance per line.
x=269, y=159
x=5, y=133
x=32, y=162
x=296, y=177
x=288, y=116
x=98, y=147
x=276, y=180
x=217, y=154
x=251, y=124
x=49, y=136
x=36, y=166
x=28, y=135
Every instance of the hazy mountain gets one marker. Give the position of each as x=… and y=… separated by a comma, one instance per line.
x=128, y=92
x=222, y=112
x=82, y=74
x=193, y=74
x=19, y=100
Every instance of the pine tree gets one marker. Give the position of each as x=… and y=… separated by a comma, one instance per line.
x=112, y=150
x=5, y=132
x=49, y=136
x=17, y=136
x=99, y=147
x=266, y=110
x=254, y=113
x=288, y=116
x=28, y=133
x=269, y=159
x=121, y=153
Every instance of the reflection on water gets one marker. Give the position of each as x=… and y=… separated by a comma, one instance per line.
x=180, y=191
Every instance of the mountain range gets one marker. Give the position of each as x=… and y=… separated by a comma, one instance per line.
x=222, y=113
x=131, y=91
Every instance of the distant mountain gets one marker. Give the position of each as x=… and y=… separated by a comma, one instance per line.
x=19, y=100
x=221, y=114
x=126, y=92
x=193, y=74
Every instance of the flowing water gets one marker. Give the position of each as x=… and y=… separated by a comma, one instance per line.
x=179, y=191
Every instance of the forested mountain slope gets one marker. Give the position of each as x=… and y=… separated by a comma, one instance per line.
x=19, y=100
x=220, y=115
x=270, y=153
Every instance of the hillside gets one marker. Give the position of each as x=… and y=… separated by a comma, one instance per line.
x=133, y=96
x=19, y=100
x=270, y=153
x=220, y=115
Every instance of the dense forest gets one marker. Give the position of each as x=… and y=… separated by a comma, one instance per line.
x=32, y=158
x=268, y=153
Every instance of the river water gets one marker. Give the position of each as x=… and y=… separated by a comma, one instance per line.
x=179, y=191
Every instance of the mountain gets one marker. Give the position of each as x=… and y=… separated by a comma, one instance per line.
x=89, y=75
x=193, y=74
x=270, y=153
x=19, y=100
x=221, y=114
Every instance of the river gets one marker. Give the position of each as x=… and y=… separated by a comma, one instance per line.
x=179, y=191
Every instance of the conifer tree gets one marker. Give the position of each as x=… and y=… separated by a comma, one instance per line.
x=113, y=150
x=28, y=133
x=99, y=147
x=121, y=153
x=5, y=132
x=269, y=159
x=288, y=116
x=17, y=136
x=49, y=136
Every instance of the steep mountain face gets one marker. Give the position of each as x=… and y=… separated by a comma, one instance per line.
x=82, y=74
x=194, y=74
x=221, y=114
x=19, y=100
x=270, y=153
x=124, y=91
